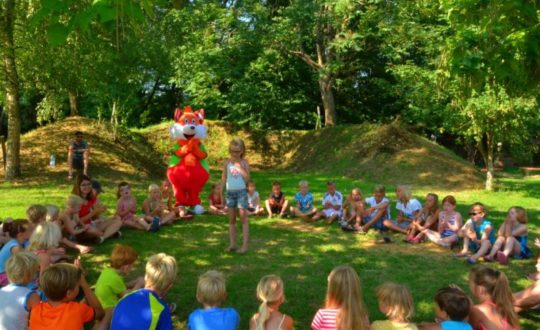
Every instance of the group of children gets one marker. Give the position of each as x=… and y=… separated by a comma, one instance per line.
x=63, y=299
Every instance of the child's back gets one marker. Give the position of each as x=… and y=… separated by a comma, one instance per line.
x=214, y=318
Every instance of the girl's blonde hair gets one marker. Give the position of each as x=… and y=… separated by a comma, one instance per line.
x=153, y=187
x=46, y=235
x=269, y=291
x=344, y=293
x=397, y=299
x=521, y=214
x=73, y=200
x=496, y=285
x=239, y=143
x=21, y=267
x=357, y=190
x=52, y=212
x=405, y=191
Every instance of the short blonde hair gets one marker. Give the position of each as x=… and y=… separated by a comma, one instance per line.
x=123, y=255
x=74, y=200
x=45, y=236
x=21, y=267
x=153, y=187
x=160, y=271
x=211, y=288
x=303, y=183
x=397, y=299
x=405, y=190
x=35, y=213
x=52, y=212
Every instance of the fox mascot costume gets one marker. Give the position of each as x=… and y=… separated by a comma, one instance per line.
x=188, y=169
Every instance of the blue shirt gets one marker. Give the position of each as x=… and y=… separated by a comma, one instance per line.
x=305, y=201
x=214, y=318
x=141, y=309
x=5, y=253
x=480, y=230
x=455, y=325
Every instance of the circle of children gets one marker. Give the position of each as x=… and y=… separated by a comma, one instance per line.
x=41, y=290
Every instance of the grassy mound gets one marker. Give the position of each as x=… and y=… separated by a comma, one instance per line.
x=122, y=156
x=388, y=154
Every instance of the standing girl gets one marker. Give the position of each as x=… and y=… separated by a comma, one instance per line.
x=495, y=311
x=271, y=294
x=235, y=177
x=344, y=308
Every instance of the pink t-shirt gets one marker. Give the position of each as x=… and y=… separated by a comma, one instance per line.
x=325, y=319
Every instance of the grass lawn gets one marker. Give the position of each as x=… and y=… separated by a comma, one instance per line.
x=302, y=254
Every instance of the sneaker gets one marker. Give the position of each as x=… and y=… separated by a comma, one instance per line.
x=471, y=261
x=503, y=259
x=488, y=258
x=155, y=224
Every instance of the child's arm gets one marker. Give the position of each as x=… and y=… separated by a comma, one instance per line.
x=69, y=226
x=244, y=170
x=33, y=300
x=120, y=210
x=223, y=177
x=91, y=299
x=485, y=234
x=457, y=224
x=133, y=208
x=519, y=231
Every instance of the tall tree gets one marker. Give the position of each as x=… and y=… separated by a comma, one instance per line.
x=7, y=23
x=492, y=58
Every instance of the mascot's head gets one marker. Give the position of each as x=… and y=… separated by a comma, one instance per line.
x=188, y=124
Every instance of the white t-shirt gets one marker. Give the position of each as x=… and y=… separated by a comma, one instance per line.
x=408, y=210
x=253, y=200
x=373, y=203
x=14, y=312
x=335, y=200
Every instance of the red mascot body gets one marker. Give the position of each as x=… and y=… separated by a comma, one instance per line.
x=188, y=169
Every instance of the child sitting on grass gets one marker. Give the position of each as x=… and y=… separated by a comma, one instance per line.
x=332, y=203
x=495, y=309
x=271, y=294
x=44, y=243
x=512, y=237
x=449, y=224
x=17, y=299
x=110, y=286
x=153, y=206
x=215, y=199
x=145, y=307
x=61, y=284
x=36, y=214
x=53, y=216
x=378, y=210
x=212, y=293
x=126, y=208
x=19, y=231
x=427, y=218
x=254, y=201
x=452, y=310
x=530, y=297
x=276, y=202
x=395, y=301
x=408, y=209
x=477, y=234
x=304, y=203
x=353, y=210
x=344, y=307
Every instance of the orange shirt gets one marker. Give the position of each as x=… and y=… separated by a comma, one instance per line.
x=70, y=315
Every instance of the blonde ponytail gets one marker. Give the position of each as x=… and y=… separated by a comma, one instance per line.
x=269, y=291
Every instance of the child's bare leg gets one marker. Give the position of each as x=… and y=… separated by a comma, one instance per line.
x=268, y=208
x=284, y=208
x=527, y=298
x=512, y=247
x=432, y=235
x=499, y=243
x=332, y=218
x=133, y=224
x=168, y=218
x=448, y=241
x=389, y=224
x=465, y=249
x=232, y=229
x=375, y=218
x=245, y=230
x=484, y=248
x=110, y=227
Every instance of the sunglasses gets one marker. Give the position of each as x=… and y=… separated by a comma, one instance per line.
x=474, y=213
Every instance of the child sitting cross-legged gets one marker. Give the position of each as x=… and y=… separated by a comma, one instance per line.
x=477, y=234
x=154, y=207
x=17, y=299
x=216, y=200
x=395, y=301
x=332, y=203
x=353, y=211
x=452, y=309
x=61, y=284
x=110, y=286
x=212, y=293
x=276, y=202
x=254, y=200
x=146, y=307
x=271, y=294
x=449, y=224
x=304, y=203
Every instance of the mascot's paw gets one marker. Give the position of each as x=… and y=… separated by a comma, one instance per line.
x=198, y=209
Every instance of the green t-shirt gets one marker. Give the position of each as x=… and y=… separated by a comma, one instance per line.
x=109, y=285
x=389, y=325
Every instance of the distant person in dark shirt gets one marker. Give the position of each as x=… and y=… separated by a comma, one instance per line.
x=78, y=155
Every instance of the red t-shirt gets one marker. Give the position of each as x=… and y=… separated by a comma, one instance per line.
x=85, y=209
x=70, y=315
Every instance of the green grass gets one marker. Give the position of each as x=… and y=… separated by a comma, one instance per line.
x=302, y=254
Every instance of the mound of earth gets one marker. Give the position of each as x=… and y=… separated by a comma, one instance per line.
x=121, y=156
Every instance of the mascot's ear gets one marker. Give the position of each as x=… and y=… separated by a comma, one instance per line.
x=177, y=114
x=200, y=114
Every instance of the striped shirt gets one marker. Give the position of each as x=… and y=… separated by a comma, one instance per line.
x=325, y=319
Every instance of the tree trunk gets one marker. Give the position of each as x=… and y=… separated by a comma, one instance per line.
x=327, y=96
x=490, y=171
x=73, y=103
x=7, y=18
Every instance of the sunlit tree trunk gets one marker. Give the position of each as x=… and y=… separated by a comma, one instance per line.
x=7, y=17
x=327, y=96
x=73, y=103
